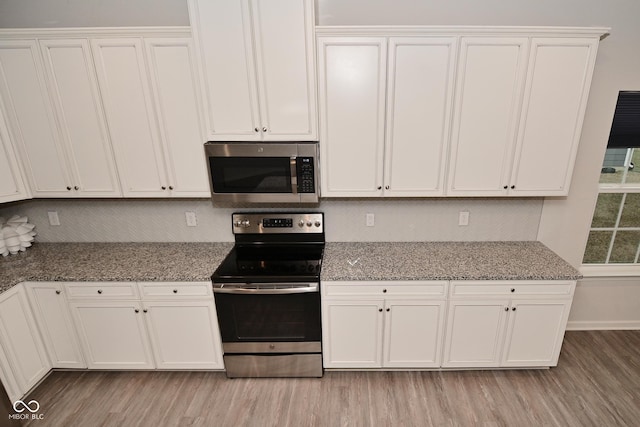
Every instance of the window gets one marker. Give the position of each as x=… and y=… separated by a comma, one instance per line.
x=614, y=237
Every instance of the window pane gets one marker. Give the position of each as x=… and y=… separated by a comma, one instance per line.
x=631, y=211
x=613, y=166
x=597, y=247
x=606, y=210
x=633, y=175
x=625, y=246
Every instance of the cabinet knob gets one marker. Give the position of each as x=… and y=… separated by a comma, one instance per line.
x=505, y=187
x=171, y=187
x=384, y=291
x=136, y=310
x=513, y=187
x=380, y=187
x=388, y=309
x=145, y=310
x=380, y=310
x=57, y=292
x=76, y=188
x=68, y=188
x=256, y=130
x=506, y=309
x=513, y=289
x=386, y=187
x=163, y=187
x=99, y=291
x=175, y=291
x=264, y=129
x=513, y=309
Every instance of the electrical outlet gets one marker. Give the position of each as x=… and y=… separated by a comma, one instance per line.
x=53, y=218
x=191, y=218
x=370, y=220
x=463, y=218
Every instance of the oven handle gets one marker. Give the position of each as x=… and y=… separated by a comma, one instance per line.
x=222, y=288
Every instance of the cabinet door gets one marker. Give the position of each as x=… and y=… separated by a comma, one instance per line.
x=352, y=334
x=485, y=124
x=284, y=49
x=352, y=100
x=112, y=334
x=11, y=184
x=177, y=99
x=56, y=326
x=125, y=91
x=475, y=333
x=419, y=99
x=30, y=118
x=413, y=333
x=535, y=332
x=75, y=92
x=20, y=340
x=557, y=89
x=184, y=335
x=222, y=30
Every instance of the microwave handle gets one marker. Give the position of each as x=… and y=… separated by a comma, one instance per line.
x=294, y=174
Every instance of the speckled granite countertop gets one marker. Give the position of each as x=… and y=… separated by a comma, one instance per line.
x=444, y=261
x=375, y=261
x=112, y=262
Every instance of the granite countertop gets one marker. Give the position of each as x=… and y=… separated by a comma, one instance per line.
x=112, y=262
x=90, y=262
x=444, y=261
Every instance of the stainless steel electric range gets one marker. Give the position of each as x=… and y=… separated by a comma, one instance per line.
x=267, y=293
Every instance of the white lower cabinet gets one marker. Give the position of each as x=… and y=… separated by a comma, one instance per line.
x=23, y=359
x=51, y=311
x=401, y=328
x=170, y=326
x=506, y=324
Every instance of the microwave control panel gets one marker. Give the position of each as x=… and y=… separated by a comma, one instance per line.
x=305, y=172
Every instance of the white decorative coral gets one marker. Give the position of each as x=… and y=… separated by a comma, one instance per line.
x=16, y=235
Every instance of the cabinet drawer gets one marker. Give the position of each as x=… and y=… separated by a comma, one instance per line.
x=512, y=289
x=175, y=289
x=386, y=288
x=101, y=290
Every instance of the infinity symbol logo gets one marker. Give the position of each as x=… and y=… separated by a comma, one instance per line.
x=27, y=406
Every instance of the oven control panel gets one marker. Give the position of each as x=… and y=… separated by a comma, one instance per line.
x=278, y=223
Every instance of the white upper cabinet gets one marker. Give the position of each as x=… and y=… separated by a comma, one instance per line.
x=31, y=120
x=352, y=74
x=258, y=62
x=74, y=90
x=488, y=97
x=419, y=98
x=11, y=184
x=122, y=75
x=558, y=82
x=385, y=109
x=155, y=126
x=177, y=98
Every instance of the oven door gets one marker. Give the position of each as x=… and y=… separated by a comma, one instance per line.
x=263, y=316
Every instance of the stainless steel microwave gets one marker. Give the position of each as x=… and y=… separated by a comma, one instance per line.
x=246, y=172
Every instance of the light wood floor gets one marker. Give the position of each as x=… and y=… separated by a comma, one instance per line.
x=597, y=383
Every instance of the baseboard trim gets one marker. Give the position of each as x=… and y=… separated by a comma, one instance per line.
x=587, y=325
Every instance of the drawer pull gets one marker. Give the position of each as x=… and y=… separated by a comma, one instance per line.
x=145, y=310
x=513, y=309
x=136, y=310
x=388, y=309
x=384, y=291
x=513, y=289
x=57, y=292
x=506, y=309
x=99, y=291
x=380, y=310
x=175, y=291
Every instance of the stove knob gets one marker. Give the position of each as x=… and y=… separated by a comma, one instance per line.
x=301, y=223
x=317, y=224
x=309, y=223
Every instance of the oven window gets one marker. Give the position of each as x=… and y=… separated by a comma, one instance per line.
x=254, y=318
x=251, y=174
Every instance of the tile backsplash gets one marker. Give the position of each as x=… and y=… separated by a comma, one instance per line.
x=120, y=220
